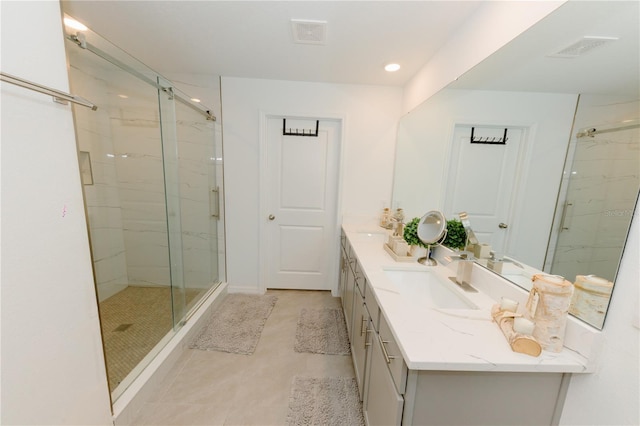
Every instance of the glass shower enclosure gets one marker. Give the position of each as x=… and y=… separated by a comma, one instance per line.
x=151, y=166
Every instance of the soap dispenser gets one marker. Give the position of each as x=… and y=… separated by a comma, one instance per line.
x=495, y=262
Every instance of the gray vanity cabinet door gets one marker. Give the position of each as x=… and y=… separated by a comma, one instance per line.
x=347, y=301
x=359, y=340
x=344, y=268
x=384, y=405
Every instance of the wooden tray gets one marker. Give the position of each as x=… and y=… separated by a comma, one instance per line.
x=407, y=258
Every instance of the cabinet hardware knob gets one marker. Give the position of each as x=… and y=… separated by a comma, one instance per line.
x=503, y=225
x=271, y=217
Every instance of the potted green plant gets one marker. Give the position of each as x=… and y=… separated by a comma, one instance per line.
x=456, y=235
x=416, y=247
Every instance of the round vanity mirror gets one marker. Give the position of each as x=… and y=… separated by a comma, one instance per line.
x=432, y=229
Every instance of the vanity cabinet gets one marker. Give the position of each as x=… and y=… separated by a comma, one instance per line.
x=393, y=394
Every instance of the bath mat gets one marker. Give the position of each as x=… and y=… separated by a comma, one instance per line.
x=237, y=325
x=324, y=401
x=322, y=331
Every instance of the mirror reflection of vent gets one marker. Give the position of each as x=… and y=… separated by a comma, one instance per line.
x=583, y=46
x=309, y=32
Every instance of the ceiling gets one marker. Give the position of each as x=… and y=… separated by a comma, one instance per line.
x=524, y=63
x=254, y=39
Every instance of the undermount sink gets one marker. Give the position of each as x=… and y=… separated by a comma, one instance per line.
x=371, y=236
x=426, y=288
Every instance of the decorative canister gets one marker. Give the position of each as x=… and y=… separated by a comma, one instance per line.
x=385, y=218
x=548, y=308
x=591, y=298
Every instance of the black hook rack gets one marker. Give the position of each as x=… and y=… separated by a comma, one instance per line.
x=489, y=140
x=298, y=133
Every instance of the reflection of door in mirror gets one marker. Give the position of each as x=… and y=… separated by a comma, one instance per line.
x=603, y=186
x=481, y=180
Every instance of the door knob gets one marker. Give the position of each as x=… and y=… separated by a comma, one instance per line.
x=503, y=225
x=271, y=217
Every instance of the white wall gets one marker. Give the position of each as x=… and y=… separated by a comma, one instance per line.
x=371, y=114
x=52, y=363
x=494, y=24
x=424, y=142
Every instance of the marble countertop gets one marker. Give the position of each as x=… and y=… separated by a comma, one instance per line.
x=445, y=339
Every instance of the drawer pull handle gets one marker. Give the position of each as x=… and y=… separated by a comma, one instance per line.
x=362, y=325
x=366, y=337
x=387, y=357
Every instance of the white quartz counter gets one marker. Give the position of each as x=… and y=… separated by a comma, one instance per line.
x=445, y=339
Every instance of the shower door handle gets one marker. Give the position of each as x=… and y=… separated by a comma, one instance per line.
x=564, y=226
x=215, y=196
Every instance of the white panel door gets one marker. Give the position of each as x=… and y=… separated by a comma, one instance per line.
x=302, y=200
x=481, y=181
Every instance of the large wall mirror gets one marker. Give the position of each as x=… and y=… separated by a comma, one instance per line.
x=560, y=194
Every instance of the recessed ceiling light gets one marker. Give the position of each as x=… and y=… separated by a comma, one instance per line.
x=196, y=100
x=391, y=67
x=123, y=96
x=72, y=23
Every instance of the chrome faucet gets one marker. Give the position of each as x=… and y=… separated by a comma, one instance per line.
x=463, y=274
x=496, y=262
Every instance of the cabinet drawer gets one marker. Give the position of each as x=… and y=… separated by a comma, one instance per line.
x=395, y=362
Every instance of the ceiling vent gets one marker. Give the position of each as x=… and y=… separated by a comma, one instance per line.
x=309, y=32
x=583, y=46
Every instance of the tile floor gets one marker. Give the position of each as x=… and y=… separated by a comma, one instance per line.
x=133, y=321
x=218, y=388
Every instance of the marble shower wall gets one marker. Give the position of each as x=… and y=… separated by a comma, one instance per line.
x=137, y=142
x=197, y=177
x=102, y=195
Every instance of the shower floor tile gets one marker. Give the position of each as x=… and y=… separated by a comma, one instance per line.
x=133, y=321
x=218, y=388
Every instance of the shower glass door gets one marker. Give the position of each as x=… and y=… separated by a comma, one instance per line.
x=192, y=198
x=149, y=169
x=120, y=145
x=604, y=180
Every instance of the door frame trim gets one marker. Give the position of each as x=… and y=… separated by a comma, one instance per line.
x=263, y=203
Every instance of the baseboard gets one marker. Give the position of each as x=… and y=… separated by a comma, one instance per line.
x=244, y=290
x=127, y=406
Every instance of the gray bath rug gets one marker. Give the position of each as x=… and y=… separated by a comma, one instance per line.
x=324, y=401
x=322, y=331
x=236, y=325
